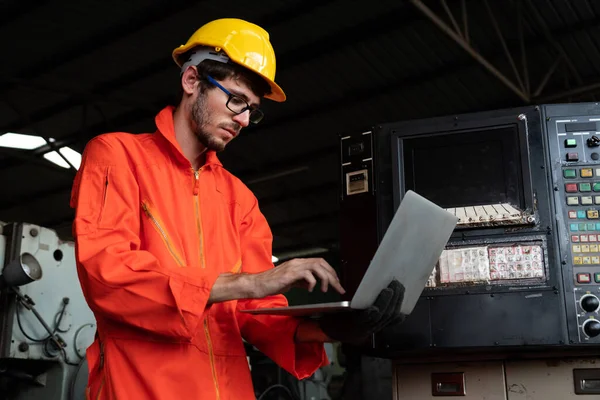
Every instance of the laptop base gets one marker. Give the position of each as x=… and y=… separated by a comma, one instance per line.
x=306, y=310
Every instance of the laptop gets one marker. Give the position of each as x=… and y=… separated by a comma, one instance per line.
x=409, y=251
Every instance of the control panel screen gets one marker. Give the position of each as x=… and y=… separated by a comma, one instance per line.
x=490, y=264
x=466, y=168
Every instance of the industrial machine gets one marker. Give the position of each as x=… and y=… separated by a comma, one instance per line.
x=520, y=276
x=45, y=324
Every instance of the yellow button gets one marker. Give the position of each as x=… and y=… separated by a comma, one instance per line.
x=577, y=260
x=586, y=172
x=587, y=260
x=593, y=248
x=585, y=248
x=595, y=260
x=576, y=248
x=592, y=214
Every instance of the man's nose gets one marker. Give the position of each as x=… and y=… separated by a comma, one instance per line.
x=243, y=119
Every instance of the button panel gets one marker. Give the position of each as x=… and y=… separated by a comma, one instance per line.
x=582, y=199
x=577, y=185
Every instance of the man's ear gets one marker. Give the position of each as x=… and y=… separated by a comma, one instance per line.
x=189, y=80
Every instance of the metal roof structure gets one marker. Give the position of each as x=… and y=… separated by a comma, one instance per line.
x=74, y=69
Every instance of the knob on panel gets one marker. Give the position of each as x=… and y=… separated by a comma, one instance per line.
x=591, y=327
x=589, y=303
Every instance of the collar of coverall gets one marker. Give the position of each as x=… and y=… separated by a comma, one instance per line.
x=166, y=128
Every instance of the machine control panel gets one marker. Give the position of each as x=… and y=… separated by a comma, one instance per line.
x=574, y=143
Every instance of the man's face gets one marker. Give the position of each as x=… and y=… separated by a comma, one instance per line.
x=212, y=122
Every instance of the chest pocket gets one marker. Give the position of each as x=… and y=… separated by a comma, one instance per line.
x=154, y=219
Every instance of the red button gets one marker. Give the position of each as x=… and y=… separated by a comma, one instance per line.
x=575, y=238
x=573, y=214
x=572, y=157
x=571, y=188
x=584, y=238
x=583, y=278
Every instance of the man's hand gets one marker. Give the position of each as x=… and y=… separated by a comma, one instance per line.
x=299, y=272
x=356, y=326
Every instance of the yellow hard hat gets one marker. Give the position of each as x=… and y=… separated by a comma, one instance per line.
x=244, y=43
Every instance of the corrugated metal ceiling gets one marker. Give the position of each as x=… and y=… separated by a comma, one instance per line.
x=78, y=69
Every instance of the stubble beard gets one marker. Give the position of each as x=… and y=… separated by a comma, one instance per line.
x=201, y=119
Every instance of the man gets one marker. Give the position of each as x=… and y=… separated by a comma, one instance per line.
x=171, y=247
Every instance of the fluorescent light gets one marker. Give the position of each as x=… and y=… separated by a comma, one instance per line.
x=70, y=154
x=274, y=259
x=19, y=141
x=56, y=159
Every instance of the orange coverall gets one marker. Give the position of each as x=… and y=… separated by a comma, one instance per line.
x=152, y=236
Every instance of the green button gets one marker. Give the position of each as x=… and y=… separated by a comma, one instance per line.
x=570, y=143
x=585, y=187
x=591, y=227
x=596, y=187
x=582, y=227
x=597, y=277
x=569, y=173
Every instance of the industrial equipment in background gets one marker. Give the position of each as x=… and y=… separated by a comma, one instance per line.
x=520, y=276
x=45, y=323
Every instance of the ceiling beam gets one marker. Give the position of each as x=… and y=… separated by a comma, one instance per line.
x=18, y=9
x=329, y=105
x=397, y=16
x=149, y=15
x=115, y=85
x=493, y=53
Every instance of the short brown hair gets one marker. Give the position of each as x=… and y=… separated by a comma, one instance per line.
x=221, y=71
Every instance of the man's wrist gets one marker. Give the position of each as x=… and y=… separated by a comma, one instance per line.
x=248, y=285
x=233, y=287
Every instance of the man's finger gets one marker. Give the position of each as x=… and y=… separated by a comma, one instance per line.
x=327, y=277
x=337, y=286
x=321, y=274
x=310, y=279
x=329, y=268
x=334, y=279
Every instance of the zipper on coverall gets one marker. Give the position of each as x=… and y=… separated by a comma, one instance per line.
x=203, y=265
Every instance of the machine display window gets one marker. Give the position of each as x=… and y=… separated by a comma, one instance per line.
x=468, y=168
x=477, y=174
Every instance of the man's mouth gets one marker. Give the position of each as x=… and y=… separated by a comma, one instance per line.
x=231, y=131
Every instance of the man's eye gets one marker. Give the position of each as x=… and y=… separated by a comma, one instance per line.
x=237, y=101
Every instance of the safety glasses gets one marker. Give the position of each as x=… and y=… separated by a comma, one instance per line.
x=237, y=104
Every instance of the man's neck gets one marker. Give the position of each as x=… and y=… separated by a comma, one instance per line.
x=192, y=149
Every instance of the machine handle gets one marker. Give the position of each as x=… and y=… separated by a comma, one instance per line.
x=448, y=384
x=587, y=380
